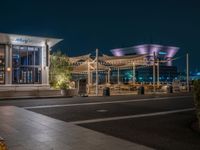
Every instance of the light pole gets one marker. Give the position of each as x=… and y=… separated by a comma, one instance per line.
x=187, y=68
x=88, y=76
x=158, y=73
x=97, y=79
x=154, y=72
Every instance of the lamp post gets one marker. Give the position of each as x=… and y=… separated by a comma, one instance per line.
x=97, y=79
x=88, y=76
x=154, y=72
x=158, y=73
x=187, y=68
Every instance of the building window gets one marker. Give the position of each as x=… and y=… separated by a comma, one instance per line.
x=26, y=65
x=2, y=64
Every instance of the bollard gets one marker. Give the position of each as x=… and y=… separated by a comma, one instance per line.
x=3, y=145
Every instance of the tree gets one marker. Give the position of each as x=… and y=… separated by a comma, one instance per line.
x=60, y=71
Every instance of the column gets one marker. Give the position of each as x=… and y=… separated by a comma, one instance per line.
x=118, y=75
x=45, y=68
x=8, y=64
x=133, y=73
x=109, y=76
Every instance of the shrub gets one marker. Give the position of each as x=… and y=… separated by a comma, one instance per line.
x=197, y=99
x=60, y=71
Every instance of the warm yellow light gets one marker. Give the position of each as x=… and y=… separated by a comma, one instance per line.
x=8, y=69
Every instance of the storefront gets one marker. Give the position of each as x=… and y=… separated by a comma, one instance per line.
x=24, y=60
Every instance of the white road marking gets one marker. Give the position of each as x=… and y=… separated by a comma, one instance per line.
x=132, y=116
x=107, y=102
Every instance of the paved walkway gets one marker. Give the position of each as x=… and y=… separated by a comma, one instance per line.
x=26, y=130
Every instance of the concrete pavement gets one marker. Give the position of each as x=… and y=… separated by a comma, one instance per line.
x=26, y=130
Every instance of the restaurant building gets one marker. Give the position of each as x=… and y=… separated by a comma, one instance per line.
x=24, y=60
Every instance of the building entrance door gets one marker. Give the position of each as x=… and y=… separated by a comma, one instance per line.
x=2, y=64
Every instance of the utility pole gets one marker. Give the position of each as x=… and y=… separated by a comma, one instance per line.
x=187, y=68
x=154, y=72
x=97, y=79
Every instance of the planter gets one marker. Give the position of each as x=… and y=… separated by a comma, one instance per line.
x=68, y=92
x=197, y=100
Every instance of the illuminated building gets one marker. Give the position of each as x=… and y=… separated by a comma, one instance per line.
x=24, y=60
x=164, y=54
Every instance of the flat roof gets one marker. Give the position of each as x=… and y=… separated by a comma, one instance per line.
x=16, y=39
x=166, y=51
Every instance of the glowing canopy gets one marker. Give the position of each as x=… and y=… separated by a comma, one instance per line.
x=149, y=49
x=27, y=40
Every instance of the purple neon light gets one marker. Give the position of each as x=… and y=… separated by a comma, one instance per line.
x=141, y=49
x=171, y=51
x=147, y=49
x=117, y=52
x=154, y=48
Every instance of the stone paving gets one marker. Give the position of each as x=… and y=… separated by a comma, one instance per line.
x=26, y=130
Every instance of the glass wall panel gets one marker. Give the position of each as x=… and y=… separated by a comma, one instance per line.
x=26, y=65
x=2, y=64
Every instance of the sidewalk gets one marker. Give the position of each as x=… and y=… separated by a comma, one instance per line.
x=100, y=95
x=26, y=130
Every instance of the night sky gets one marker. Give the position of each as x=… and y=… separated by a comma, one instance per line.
x=107, y=24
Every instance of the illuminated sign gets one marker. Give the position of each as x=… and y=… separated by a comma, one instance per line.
x=23, y=40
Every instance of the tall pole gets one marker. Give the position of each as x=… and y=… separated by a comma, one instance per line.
x=88, y=72
x=187, y=68
x=97, y=79
x=88, y=77
x=118, y=75
x=133, y=73
x=109, y=76
x=154, y=72
x=158, y=73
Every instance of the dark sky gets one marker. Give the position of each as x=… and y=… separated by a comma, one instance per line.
x=107, y=24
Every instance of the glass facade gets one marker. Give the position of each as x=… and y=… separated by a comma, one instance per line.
x=2, y=64
x=26, y=65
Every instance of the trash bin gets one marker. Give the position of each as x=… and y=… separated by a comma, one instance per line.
x=170, y=89
x=106, y=91
x=141, y=90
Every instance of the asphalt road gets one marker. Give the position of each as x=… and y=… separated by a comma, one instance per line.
x=157, y=121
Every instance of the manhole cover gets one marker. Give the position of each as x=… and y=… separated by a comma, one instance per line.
x=102, y=110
